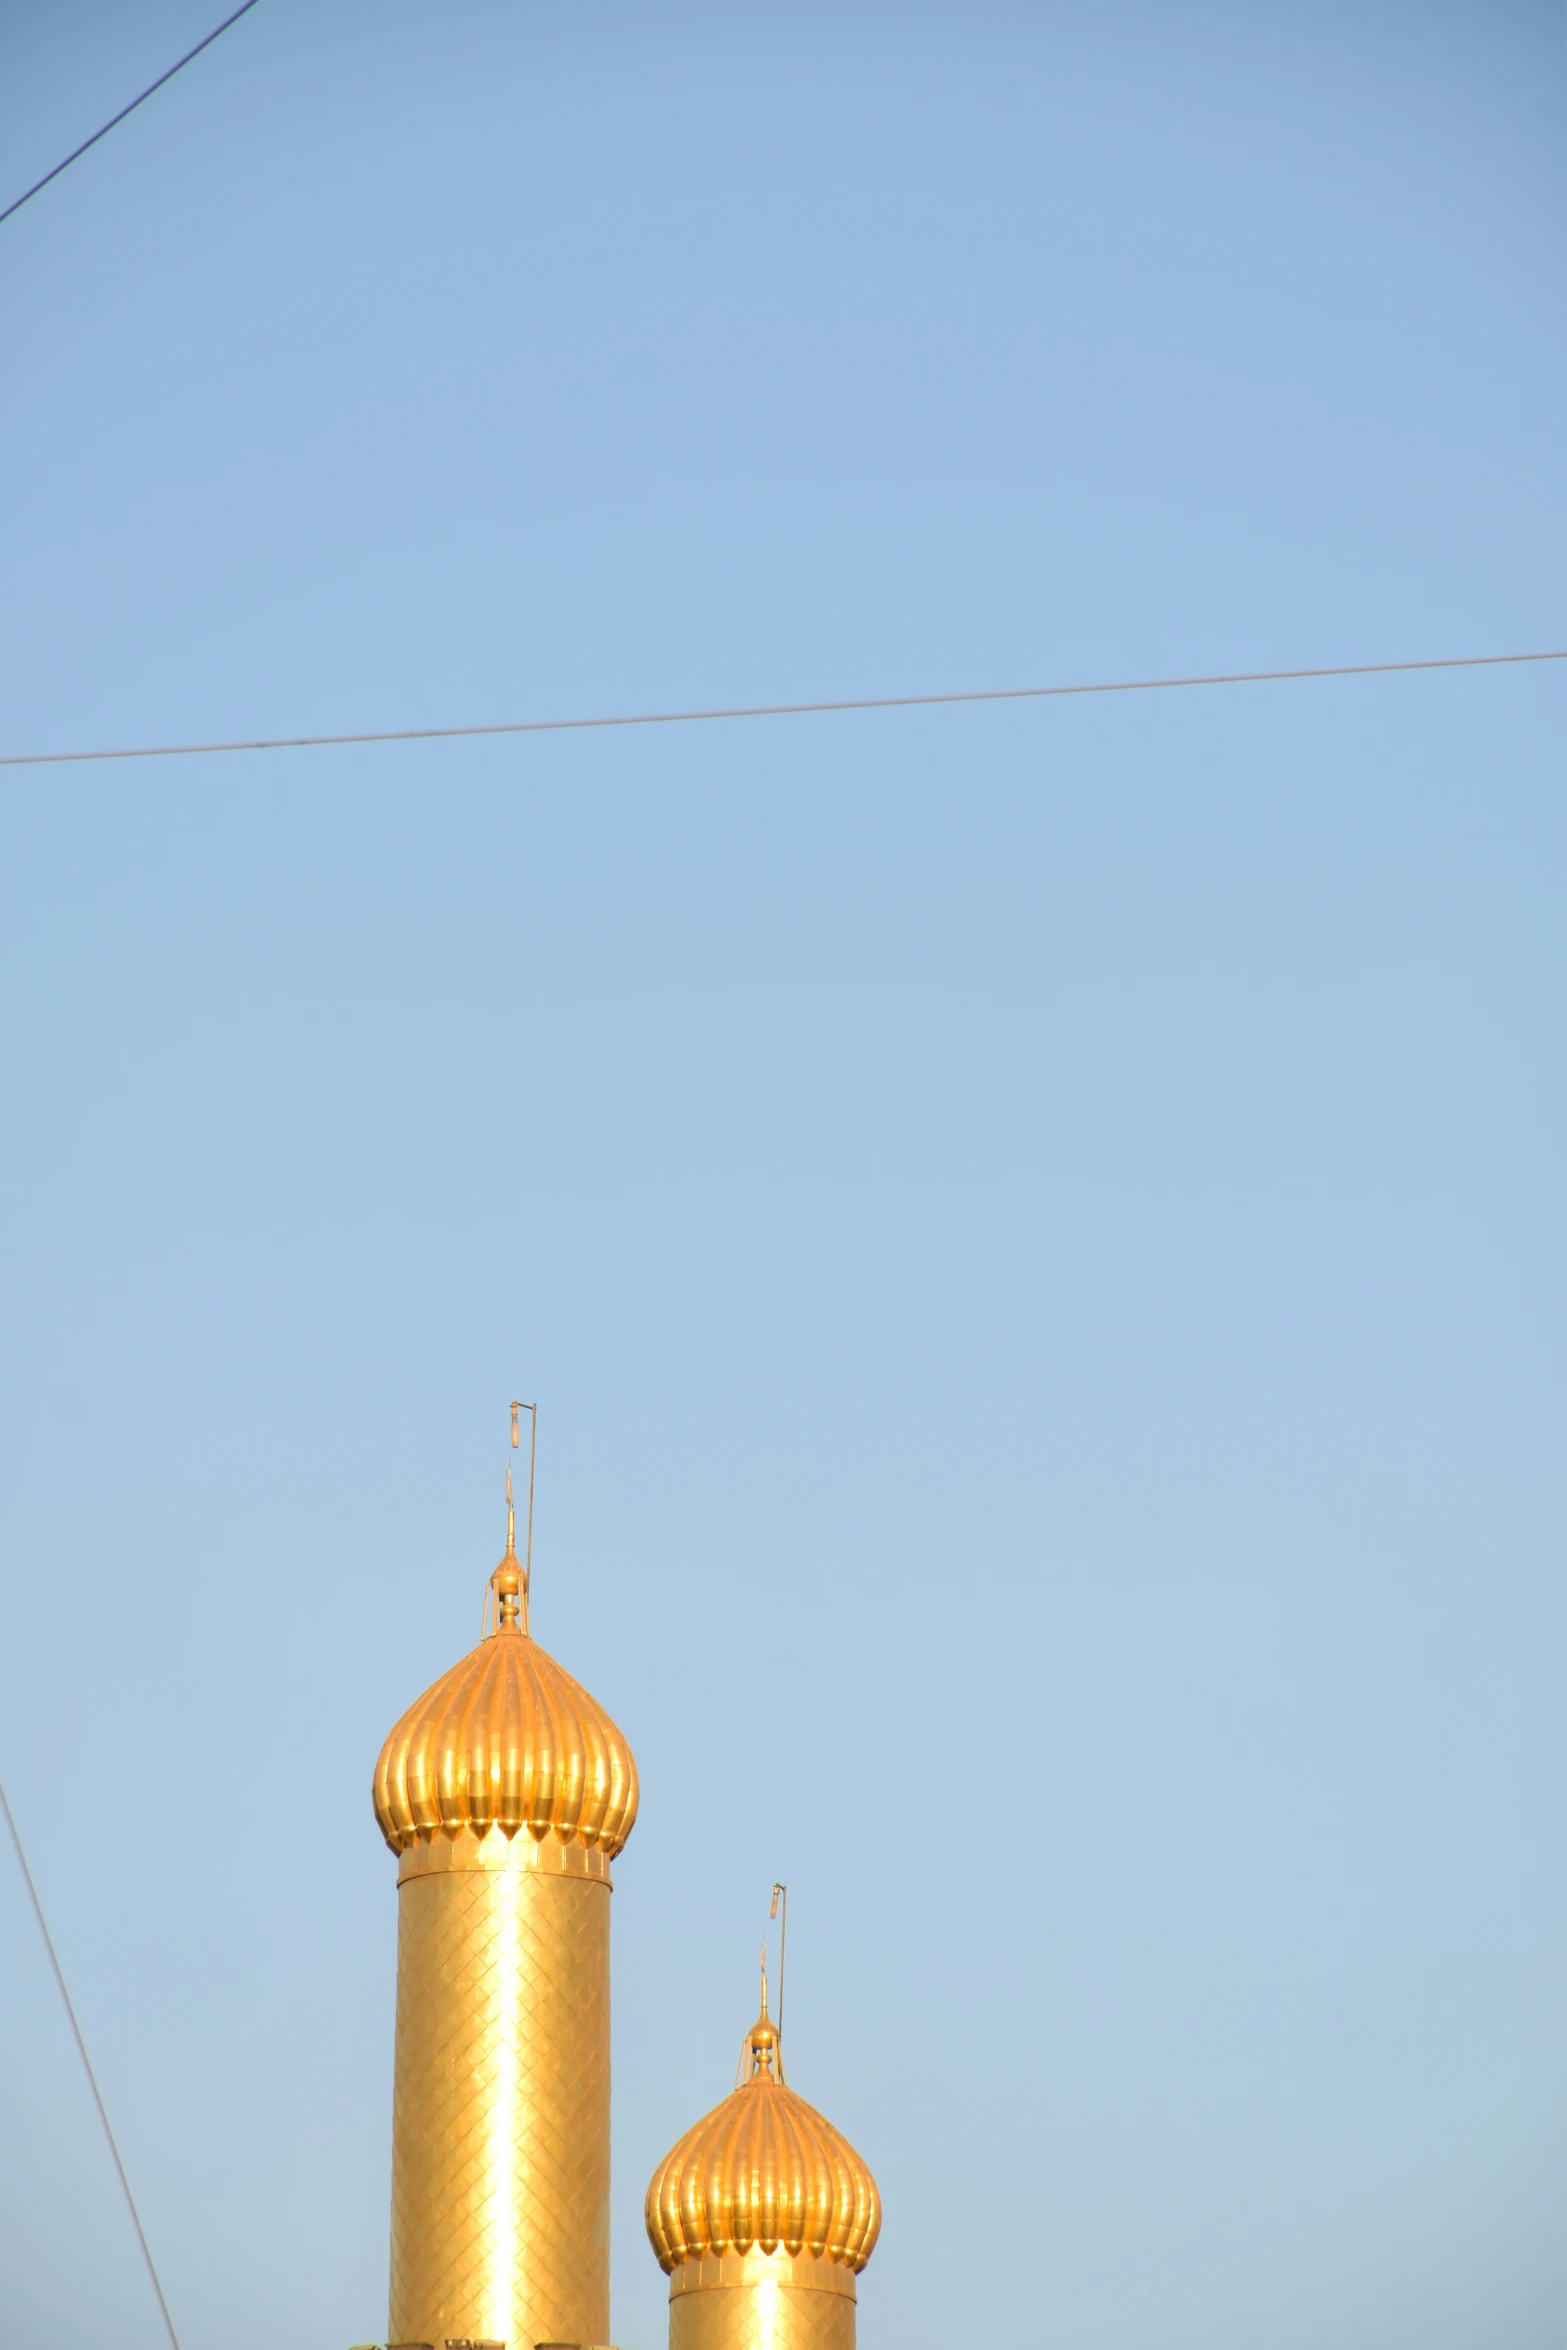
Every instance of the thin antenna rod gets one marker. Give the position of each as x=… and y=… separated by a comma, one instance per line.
x=533, y=1462
x=780, y=1910
x=92, y=2078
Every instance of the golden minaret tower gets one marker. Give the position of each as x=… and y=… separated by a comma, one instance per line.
x=505, y=1792
x=763, y=2215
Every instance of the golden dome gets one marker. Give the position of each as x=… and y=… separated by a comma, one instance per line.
x=763, y=2169
x=507, y=1739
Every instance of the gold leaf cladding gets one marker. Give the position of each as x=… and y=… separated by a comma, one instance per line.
x=764, y=2169
x=500, y=2178
x=507, y=1740
x=760, y=2317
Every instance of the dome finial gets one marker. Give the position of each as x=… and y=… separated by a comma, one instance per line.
x=509, y=1584
x=761, y=2057
x=763, y=2060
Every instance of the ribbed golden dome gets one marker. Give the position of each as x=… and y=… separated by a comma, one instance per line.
x=508, y=1740
x=763, y=2169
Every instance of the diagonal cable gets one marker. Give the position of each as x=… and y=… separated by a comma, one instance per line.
x=77, y=152
x=92, y=2078
x=994, y=693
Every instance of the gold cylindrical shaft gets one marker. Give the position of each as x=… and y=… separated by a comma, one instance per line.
x=500, y=2131
x=761, y=2301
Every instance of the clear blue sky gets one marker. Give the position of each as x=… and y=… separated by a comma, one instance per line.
x=1036, y=1231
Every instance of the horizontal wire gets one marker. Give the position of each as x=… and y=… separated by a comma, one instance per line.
x=115, y=119
x=1004, y=693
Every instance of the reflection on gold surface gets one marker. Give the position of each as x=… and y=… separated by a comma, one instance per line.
x=505, y=1790
x=763, y=2168
x=781, y=2304
x=508, y=1740
x=762, y=2214
x=500, y=2179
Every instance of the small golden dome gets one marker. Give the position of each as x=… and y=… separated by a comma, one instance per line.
x=507, y=1739
x=763, y=2169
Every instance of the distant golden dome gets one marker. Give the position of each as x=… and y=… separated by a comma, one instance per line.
x=508, y=1740
x=763, y=2169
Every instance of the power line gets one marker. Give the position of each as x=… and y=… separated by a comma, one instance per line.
x=92, y=2078
x=1004, y=693
x=77, y=152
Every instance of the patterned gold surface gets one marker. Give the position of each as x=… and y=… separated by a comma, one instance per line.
x=548, y=1857
x=500, y=2182
x=799, y=2270
x=764, y=2169
x=776, y=2305
x=508, y=1740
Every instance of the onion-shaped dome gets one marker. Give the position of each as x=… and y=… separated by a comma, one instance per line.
x=508, y=1740
x=763, y=2170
